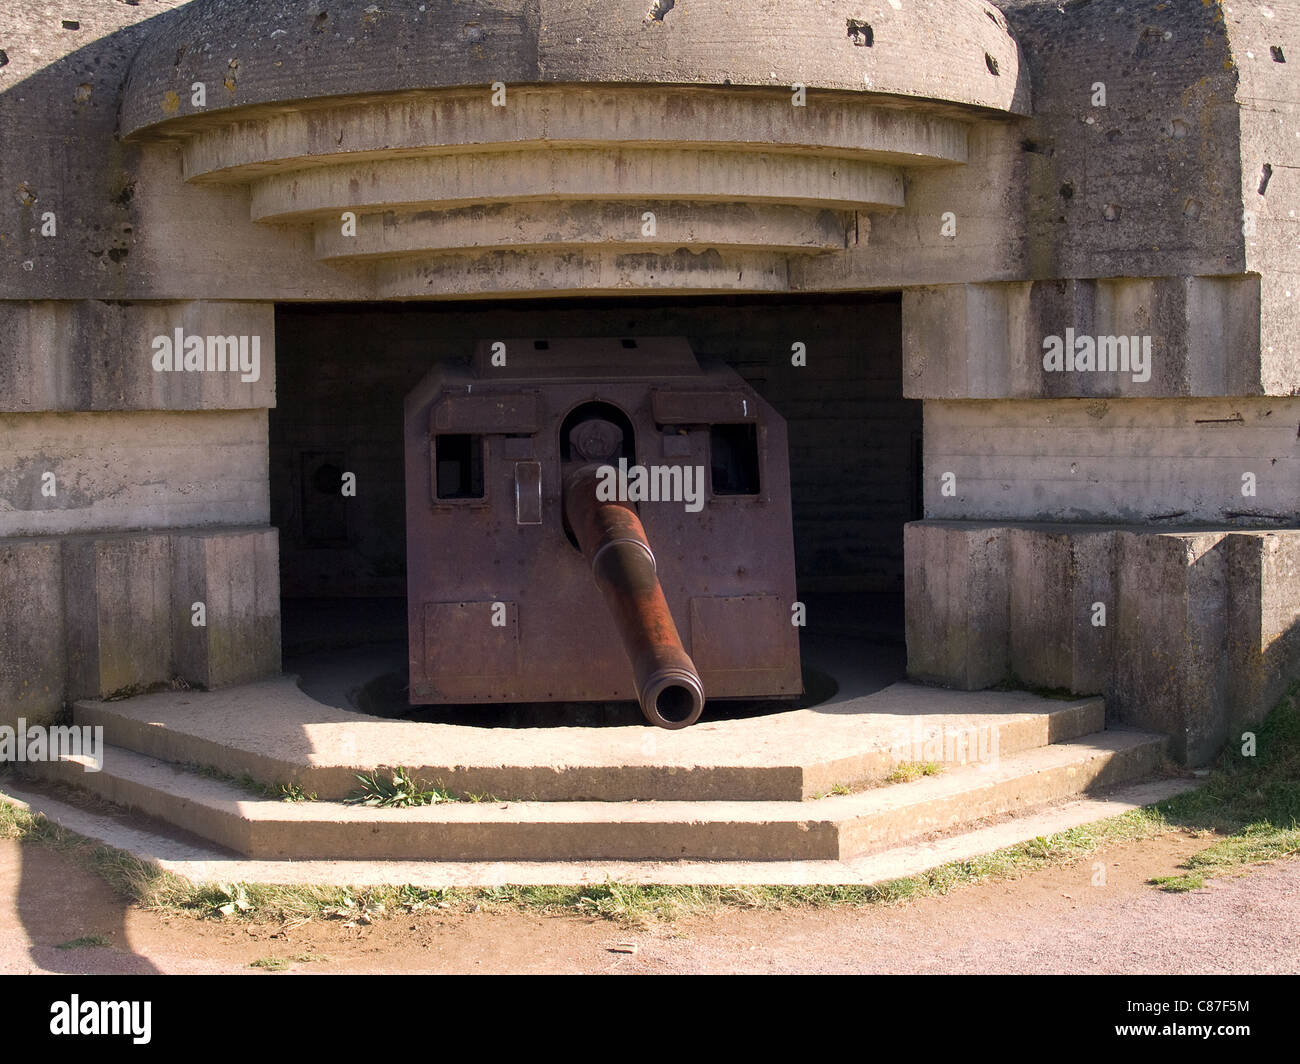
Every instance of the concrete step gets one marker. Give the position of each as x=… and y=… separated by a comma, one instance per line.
x=275, y=733
x=827, y=829
x=201, y=862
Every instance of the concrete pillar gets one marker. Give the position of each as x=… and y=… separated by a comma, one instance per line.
x=1263, y=621
x=1172, y=675
x=956, y=594
x=1061, y=607
x=118, y=613
x=236, y=576
x=31, y=630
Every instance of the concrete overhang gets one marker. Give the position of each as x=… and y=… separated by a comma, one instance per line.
x=547, y=145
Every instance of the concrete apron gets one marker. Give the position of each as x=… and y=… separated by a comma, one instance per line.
x=794, y=794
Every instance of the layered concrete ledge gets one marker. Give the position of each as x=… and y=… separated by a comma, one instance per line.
x=275, y=733
x=94, y=616
x=92, y=354
x=831, y=829
x=986, y=341
x=1213, y=462
x=1192, y=633
x=595, y=188
x=971, y=58
x=87, y=473
x=204, y=863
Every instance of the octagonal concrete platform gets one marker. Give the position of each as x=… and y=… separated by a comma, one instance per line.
x=276, y=733
x=800, y=785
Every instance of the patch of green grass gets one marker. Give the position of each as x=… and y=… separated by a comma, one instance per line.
x=85, y=942
x=291, y=792
x=270, y=964
x=396, y=789
x=903, y=773
x=1055, y=694
x=285, y=792
x=1252, y=801
x=913, y=770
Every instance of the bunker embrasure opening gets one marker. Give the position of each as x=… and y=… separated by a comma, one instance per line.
x=765, y=491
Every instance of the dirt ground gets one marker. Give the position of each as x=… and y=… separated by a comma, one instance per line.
x=1053, y=921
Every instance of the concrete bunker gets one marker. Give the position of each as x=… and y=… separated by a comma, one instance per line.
x=380, y=190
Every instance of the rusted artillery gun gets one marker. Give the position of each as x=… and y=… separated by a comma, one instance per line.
x=614, y=543
x=552, y=473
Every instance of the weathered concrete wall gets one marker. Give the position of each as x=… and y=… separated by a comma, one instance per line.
x=1265, y=48
x=1147, y=185
x=1158, y=201
x=236, y=578
x=117, y=614
x=1263, y=621
x=130, y=224
x=990, y=341
x=1065, y=194
x=1139, y=461
x=32, y=641
x=1192, y=633
x=957, y=606
x=98, y=355
x=358, y=47
x=60, y=92
x=109, y=615
x=118, y=471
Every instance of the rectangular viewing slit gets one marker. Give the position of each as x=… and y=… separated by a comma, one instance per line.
x=459, y=462
x=733, y=451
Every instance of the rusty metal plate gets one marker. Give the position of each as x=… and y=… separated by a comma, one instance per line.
x=462, y=644
x=702, y=408
x=518, y=412
x=746, y=644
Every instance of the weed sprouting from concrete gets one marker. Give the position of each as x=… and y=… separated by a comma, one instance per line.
x=913, y=770
x=285, y=792
x=396, y=790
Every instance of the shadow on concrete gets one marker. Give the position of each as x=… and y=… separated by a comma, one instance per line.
x=59, y=151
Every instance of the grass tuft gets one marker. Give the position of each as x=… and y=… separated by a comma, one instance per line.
x=85, y=942
x=396, y=790
x=1252, y=800
x=913, y=770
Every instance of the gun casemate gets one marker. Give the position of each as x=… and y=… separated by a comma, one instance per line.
x=597, y=520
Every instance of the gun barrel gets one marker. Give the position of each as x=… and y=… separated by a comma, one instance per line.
x=615, y=545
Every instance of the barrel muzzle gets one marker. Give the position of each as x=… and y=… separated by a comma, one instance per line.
x=615, y=545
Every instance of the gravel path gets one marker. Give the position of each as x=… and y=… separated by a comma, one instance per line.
x=1053, y=921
